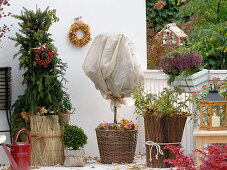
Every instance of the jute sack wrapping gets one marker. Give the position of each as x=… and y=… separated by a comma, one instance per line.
x=47, y=147
x=74, y=158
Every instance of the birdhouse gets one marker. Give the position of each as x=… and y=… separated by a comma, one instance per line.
x=172, y=35
x=213, y=112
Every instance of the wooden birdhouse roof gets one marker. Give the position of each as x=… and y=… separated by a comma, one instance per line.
x=175, y=30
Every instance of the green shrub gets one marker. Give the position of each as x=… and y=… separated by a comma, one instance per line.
x=165, y=103
x=208, y=35
x=74, y=137
x=158, y=16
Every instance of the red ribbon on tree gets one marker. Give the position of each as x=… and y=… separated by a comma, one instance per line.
x=49, y=55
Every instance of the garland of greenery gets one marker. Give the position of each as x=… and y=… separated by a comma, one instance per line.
x=79, y=25
x=44, y=93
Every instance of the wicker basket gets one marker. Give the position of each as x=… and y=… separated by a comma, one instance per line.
x=117, y=146
x=167, y=129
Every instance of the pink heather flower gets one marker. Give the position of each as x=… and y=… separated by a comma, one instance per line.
x=215, y=79
x=181, y=62
x=220, y=84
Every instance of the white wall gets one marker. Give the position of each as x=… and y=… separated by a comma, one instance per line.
x=126, y=16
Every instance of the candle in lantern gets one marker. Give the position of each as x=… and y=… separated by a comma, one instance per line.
x=216, y=121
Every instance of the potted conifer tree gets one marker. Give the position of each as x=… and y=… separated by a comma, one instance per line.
x=44, y=103
x=74, y=140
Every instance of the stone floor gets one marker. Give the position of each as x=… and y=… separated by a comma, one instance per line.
x=93, y=164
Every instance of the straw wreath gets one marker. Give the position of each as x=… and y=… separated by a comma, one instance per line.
x=79, y=25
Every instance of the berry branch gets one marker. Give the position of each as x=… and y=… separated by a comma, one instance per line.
x=4, y=29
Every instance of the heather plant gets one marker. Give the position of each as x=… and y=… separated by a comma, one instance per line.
x=213, y=158
x=181, y=64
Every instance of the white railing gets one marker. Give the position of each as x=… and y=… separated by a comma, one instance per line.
x=155, y=81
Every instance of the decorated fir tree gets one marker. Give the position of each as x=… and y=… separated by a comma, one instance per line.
x=43, y=70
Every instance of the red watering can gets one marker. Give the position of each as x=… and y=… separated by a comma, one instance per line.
x=20, y=154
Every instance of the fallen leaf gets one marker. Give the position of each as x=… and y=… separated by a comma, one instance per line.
x=58, y=165
x=35, y=167
x=6, y=168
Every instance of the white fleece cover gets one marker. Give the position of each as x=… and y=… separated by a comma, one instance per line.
x=114, y=68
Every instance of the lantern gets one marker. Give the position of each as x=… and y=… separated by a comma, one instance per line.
x=213, y=112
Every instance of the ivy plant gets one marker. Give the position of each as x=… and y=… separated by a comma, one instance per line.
x=160, y=13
